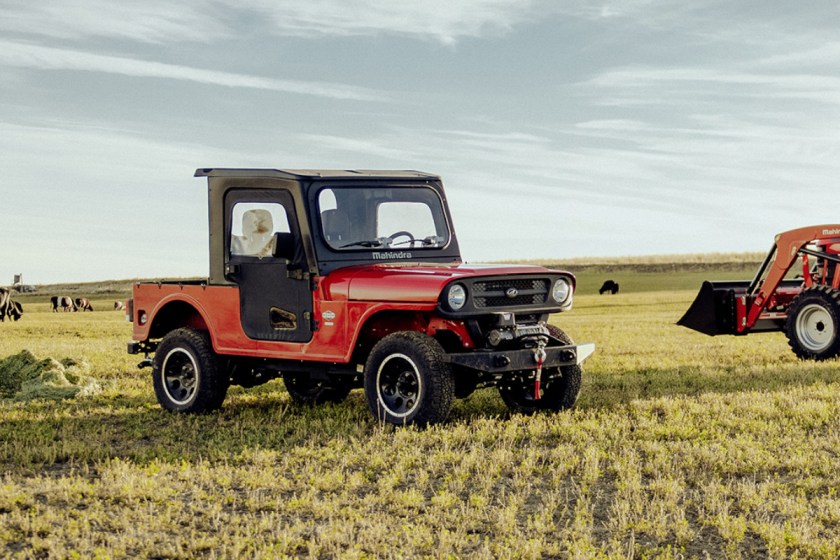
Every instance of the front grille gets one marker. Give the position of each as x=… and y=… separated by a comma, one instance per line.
x=494, y=293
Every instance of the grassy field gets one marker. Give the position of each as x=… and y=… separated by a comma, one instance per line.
x=681, y=446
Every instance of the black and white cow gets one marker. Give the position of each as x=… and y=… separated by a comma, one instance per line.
x=8, y=307
x=5, y=298
x=15, y=310
x=66, y=303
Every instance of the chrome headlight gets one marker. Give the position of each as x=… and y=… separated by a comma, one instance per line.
x=456, y=297
x=561, y=291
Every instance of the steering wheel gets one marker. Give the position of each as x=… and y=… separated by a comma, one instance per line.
x=398, y=234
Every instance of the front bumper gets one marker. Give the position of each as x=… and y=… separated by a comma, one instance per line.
x=147, y=347
x=502, y=361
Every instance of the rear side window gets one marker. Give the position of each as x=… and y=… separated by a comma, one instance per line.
x=253, y=226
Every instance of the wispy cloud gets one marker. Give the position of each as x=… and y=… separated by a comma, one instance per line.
x=505, y=163
x=441, y=20
x=444, y=21
x=202, y=20
x=23, y=55
x=369, y=147
x=821, y=55
x=642, y=13
x=90, y=190
x=150, y=21
x=660, y=86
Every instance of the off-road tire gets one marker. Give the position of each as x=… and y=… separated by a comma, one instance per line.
x=813, y=324
x=186, y=373
x=558, y=391
x=306, y=391
x=408, y=381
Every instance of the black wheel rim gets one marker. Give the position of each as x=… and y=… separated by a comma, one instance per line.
x=398, y=385
x=180, y=376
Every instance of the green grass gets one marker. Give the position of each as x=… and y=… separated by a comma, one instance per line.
x=634, y=281
x=681, y=446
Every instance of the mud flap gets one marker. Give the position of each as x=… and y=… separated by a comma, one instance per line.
x=713, y=310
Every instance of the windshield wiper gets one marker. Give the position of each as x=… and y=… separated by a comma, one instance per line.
x=425, y=242
x=364, y=243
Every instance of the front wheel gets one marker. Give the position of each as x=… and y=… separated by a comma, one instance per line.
x=559, y=391
x=186, y=373
x=813, y=324
x=408, y=381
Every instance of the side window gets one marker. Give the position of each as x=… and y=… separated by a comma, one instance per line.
x=253, y=226
x=415, y=217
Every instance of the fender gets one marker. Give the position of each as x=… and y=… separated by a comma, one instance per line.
x=154, y=299
x=153, y=325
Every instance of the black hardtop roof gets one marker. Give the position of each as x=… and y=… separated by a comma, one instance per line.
x=297, y=174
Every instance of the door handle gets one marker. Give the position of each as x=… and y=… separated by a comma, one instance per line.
x=231, y=270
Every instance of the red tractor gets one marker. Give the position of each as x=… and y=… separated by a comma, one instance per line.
x=805, y=303
x=340, y=279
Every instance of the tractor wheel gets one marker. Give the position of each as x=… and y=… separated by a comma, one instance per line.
x=186, y=373
x=407, y=380
x=813, y=324
x=558, y=392
x=306, y=391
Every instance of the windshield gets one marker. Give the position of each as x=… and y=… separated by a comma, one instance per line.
x=375, y=217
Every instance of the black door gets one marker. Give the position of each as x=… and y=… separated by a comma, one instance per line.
x=274, y=292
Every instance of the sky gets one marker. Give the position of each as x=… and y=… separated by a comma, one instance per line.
x=560, y=128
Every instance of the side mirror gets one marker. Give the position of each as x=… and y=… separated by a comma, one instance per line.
x=284, y=246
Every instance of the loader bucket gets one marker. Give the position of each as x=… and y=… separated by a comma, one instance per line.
x=713, y=310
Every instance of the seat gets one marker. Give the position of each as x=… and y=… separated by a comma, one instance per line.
x=257, y=239
x=336, y=226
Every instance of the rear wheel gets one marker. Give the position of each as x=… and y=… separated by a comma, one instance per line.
x=407, y=380
x=186, y=373
x=558, y=391
x=306, y=391
x=813, y=324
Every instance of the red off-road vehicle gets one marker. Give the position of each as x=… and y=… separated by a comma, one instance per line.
x=342, y=279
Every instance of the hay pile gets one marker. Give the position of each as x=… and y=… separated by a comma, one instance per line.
x=25, y=377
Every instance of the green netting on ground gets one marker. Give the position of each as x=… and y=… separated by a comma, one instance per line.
x=25, y=377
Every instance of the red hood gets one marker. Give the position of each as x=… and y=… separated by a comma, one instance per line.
x=410, y=282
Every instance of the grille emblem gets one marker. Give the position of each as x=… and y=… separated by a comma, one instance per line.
x=511, y=293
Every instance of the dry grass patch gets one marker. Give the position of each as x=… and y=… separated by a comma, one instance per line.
x=682, y=446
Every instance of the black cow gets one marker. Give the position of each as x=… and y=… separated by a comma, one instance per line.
x=609, y=286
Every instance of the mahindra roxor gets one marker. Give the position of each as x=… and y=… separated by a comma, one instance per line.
x=334, y=280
